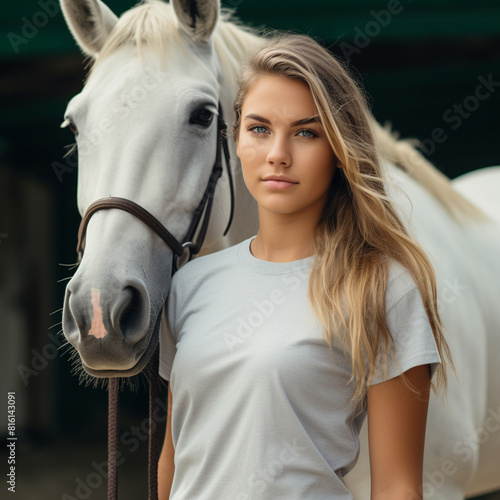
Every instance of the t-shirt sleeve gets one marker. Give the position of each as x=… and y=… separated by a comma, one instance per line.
x=167, y=335
x=410, y=328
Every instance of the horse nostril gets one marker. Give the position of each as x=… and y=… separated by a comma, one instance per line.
x=133, y=315
x=71, y=328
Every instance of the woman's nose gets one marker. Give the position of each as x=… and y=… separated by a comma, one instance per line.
x=279, y=154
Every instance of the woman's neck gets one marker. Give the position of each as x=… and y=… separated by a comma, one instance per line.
x=283, y=238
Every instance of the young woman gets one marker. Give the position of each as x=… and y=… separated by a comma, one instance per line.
x=279, y=347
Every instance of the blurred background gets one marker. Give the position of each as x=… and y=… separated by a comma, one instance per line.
x=420, y=67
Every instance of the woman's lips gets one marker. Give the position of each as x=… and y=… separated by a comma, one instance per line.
x=274, y=184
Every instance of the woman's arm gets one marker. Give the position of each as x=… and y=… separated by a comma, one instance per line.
x=396, y=432
x=166, y=465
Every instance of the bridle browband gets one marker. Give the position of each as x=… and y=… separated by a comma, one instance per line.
x=151, y=221
x=178, y=249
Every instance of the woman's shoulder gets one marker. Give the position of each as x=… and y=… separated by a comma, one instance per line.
x=399, y=282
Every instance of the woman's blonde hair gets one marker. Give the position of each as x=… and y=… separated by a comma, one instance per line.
x=359, y=230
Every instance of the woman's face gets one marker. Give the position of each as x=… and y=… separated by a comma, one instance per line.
x=281, y=136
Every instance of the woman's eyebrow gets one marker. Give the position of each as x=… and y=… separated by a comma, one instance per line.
x=303, y=121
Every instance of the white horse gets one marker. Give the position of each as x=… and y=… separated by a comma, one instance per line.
x=146, y=131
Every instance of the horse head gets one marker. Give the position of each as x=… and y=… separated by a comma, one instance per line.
x=146, y=126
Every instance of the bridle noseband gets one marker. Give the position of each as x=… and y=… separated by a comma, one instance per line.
x=178, y=249
x=151, y=221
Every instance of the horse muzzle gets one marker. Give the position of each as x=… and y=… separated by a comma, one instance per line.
x=112, y=330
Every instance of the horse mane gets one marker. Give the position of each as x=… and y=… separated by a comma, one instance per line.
x=404, y=155
x=153, y=23
x=150, y=23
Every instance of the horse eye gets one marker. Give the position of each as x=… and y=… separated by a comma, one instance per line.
x=203, y=116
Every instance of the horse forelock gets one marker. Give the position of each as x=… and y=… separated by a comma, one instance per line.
x=153, y=25
x=150, y=24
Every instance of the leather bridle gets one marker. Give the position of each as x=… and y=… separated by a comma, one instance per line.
x=151, y=221
x=178, y=249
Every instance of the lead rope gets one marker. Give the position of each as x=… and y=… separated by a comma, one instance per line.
x=113, y=386
x=154, y=393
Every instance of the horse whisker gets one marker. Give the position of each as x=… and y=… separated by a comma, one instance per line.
x=64, y=279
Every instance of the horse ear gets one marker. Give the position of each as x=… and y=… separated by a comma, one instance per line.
x=90, y=22
x=197, y=17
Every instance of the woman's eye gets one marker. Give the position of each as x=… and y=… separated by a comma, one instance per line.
x=258, y=129
x=310, y=133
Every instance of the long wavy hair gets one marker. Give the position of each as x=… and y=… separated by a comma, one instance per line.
x=359, y=231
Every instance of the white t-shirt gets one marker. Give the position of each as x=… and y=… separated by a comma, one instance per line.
x=260, y=408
